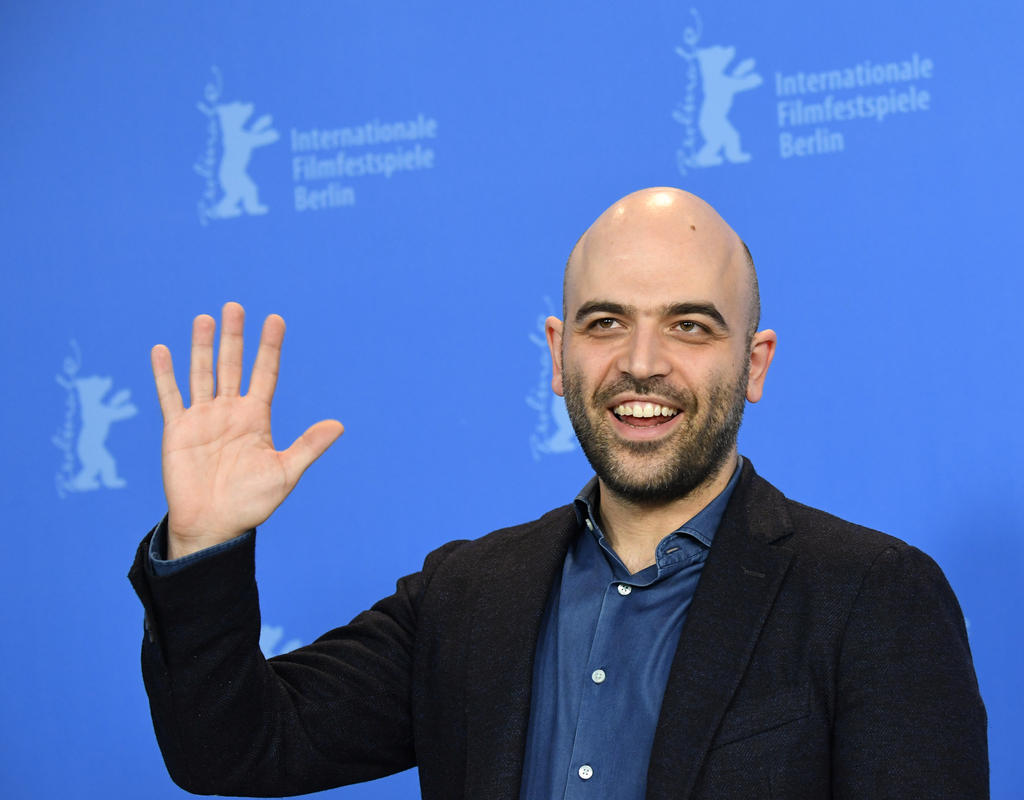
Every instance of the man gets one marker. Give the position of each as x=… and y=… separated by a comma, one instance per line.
x=681, y=631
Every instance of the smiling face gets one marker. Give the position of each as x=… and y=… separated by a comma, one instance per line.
x=655, y=358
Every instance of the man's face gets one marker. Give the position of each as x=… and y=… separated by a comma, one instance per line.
x=653, y=357
x=658, y=458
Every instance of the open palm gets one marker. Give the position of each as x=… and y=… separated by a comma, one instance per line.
x=222, y=475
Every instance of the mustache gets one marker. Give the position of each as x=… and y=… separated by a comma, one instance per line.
x=682, y=399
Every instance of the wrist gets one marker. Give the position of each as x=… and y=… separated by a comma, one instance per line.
x=180, y=544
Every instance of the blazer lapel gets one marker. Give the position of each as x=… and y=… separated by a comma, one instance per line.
x=739, y=582
x=508, y=607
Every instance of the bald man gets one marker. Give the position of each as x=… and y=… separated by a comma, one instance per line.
x=680, y=630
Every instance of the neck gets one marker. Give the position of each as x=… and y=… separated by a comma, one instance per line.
x=634, y=529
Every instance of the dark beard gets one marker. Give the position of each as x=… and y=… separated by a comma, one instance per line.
x=695, y=454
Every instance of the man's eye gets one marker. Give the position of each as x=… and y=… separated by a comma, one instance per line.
x=605, y=324
x=687, y=326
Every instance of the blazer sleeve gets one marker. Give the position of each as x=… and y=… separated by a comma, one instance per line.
x=909, y=720
x=230, y=722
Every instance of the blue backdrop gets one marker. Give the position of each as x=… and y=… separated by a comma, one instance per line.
x=403, y=184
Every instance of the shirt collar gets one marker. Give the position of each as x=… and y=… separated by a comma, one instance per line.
x=702, y=526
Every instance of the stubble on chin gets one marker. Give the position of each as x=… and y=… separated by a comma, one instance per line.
x=658, y=470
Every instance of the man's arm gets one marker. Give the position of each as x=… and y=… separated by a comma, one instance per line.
x=909, y=720
x=230, y=722
x=226, y=720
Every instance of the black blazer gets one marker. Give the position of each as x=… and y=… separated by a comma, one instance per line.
x=818, y=660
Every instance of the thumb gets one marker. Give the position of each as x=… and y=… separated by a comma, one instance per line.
x=309, y=447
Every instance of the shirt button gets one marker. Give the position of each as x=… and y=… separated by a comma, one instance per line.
x=590, y=525
x=624, y=589
x=598, y=676
x=586, y=772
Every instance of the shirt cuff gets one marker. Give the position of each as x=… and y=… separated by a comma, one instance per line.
x=162, y=566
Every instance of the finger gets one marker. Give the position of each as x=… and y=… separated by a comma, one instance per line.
x=201, y=369
x=268, y=360
x=166, y=387
x=229, y=359
x=309, y=447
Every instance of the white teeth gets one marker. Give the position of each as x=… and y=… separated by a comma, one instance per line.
x=644, y=410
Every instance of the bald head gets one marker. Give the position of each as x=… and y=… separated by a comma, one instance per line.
x=653, y=227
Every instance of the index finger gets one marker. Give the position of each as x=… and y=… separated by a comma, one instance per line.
x=268, y=359
x=166, y=386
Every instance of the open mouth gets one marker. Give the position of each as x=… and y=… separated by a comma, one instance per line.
x=643, y=415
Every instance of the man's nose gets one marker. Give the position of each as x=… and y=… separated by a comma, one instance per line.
x=644, y=355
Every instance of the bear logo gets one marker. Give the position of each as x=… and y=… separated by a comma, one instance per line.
x=86, y=463
x=719, y=90
x=238, y=142
x=98, y=464
x=708, y=66
x=553, y=432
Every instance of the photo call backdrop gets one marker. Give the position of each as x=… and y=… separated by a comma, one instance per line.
x=402, y=183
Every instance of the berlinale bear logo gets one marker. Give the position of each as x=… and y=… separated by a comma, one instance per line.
x=718, y=88
x=228, y=135
x=553, y=431
x=88, y=414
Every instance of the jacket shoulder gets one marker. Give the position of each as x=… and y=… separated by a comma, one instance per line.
x=824, y=529
x=514, y=547
x=769, y=515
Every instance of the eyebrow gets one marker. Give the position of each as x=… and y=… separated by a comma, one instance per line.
x=670, y=310
x=707, y=309
x=603, y=307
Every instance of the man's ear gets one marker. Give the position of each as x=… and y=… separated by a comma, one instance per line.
x=762, y=351
x=553, y=330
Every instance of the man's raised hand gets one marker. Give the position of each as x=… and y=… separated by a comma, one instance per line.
x=222, y=475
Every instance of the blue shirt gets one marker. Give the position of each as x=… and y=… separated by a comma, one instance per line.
x=603, y=656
